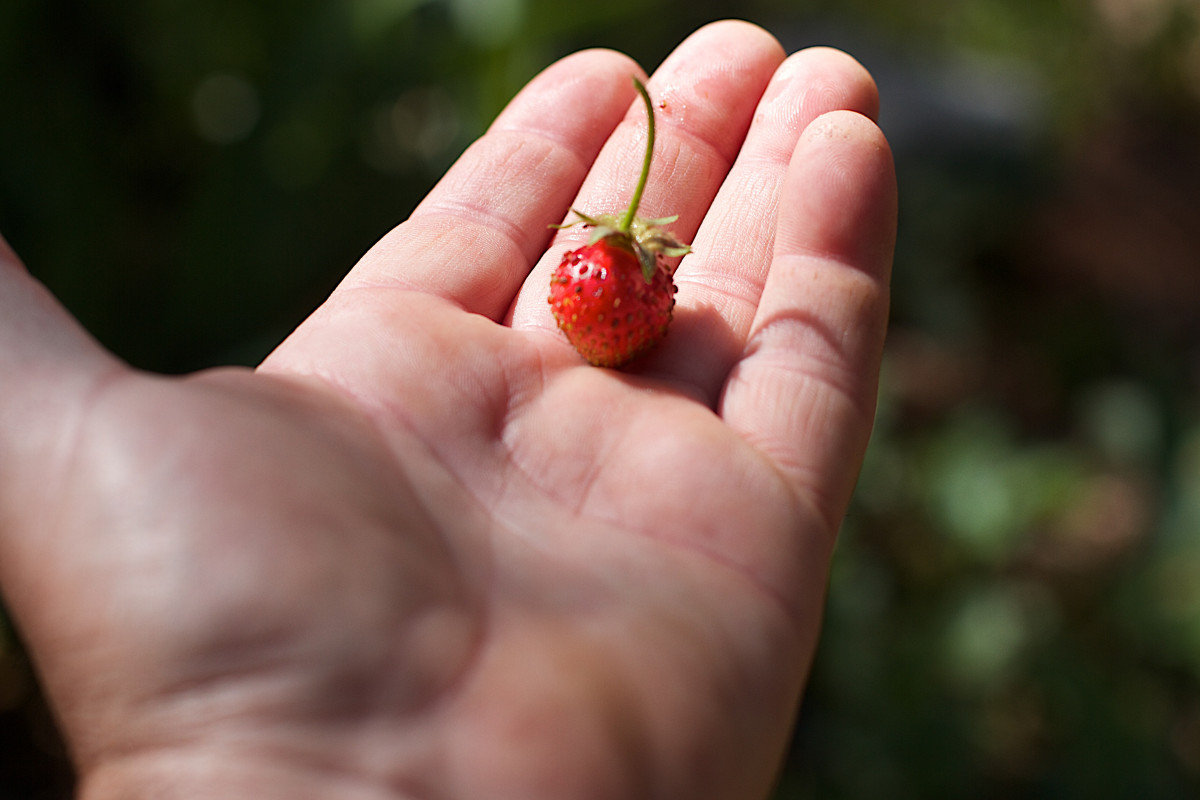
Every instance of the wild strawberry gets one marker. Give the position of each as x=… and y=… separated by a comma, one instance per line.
x=614, y=296
x=605, y=306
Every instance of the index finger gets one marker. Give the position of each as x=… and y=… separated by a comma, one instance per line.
x=477, y=234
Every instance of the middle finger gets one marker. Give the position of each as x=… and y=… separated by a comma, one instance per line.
x=721, y=282
x=704, y=96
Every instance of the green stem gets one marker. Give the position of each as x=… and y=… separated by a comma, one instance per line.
x=627, y=220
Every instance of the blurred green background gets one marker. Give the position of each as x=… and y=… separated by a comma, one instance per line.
x=1015, y=603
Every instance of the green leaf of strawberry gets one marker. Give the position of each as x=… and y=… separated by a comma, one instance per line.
x=613, y=298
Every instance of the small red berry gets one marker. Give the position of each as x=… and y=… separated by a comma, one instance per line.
x=613, y=297
x=605, y=306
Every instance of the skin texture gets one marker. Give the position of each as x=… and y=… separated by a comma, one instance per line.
x=424, y=551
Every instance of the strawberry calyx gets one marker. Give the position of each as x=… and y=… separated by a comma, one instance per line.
x=646, y=238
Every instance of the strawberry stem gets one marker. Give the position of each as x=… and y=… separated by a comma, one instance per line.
x=626, y=223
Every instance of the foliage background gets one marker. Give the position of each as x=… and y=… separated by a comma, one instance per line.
x=1015, y=604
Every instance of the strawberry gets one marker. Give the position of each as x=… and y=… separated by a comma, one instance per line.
x=613, y=297
x=605, y=306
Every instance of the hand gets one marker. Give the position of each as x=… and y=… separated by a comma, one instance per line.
x=424, y=551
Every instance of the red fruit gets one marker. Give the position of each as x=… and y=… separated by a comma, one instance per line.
x=613, y=297
x=605, y=306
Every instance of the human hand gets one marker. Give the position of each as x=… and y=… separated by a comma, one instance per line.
x=424, y=550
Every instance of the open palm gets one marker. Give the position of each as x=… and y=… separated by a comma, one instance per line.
x=424, y=551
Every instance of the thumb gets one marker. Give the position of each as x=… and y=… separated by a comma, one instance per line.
x=49, y=366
